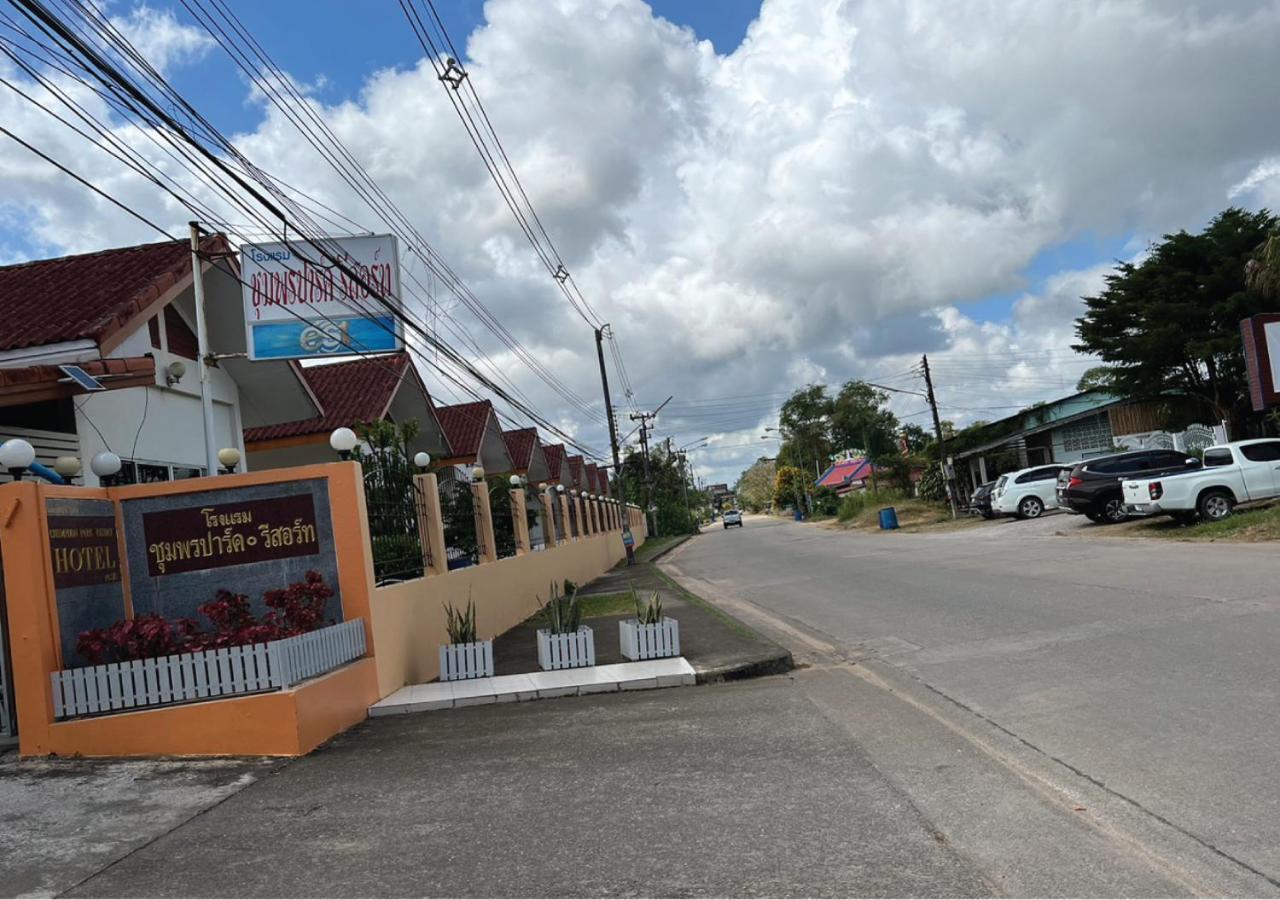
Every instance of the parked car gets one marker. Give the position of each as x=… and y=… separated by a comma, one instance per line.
x=733, y=517
x=1026, y=493
x=1234, y=473
x=1093, y=488
x=980, y=502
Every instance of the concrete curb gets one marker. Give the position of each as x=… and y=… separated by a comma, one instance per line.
x=770, y=664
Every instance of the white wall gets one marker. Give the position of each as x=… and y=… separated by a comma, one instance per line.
x=172, y=425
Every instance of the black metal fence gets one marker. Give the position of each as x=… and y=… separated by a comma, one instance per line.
x=392, y=500
x=457, y=510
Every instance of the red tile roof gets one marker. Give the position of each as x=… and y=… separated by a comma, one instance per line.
x=91, y=296
x=845, y=471
x=348, y=393
x=575, y=469
x=555, y=459
x=520, y=443
x=464, y=425
x=32, y=383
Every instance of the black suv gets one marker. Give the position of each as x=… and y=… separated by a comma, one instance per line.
x=1093, y=486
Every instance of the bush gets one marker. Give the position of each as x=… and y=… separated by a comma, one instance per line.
x=297, y=609
x=858, y=502
x=825, y=501
x=932, y=485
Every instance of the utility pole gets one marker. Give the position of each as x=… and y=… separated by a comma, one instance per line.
x=937, y=430
x=684, y=486
x=644, y=419
x=202, y=351
x=613, y=440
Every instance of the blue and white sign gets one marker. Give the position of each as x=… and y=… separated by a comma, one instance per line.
x=298, y=303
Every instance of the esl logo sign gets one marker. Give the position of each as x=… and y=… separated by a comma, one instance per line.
x=298, y=303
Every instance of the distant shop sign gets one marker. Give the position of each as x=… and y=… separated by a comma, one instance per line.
x=299, y=303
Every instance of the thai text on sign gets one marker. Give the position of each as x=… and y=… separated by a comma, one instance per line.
x=229, y=534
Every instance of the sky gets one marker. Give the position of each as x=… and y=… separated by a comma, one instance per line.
x=756, y=195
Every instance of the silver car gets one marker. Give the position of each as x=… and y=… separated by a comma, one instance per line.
x=733, y=517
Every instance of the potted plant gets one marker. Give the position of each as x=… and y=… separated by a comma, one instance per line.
x=464, y=656
x=650, y=635
x=565, y=643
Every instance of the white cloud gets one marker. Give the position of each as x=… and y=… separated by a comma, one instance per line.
x=162, y=39
x=820, y=203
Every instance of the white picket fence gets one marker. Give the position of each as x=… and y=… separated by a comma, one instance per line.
x=656, y=641
x=566, y=651
x=461, y=661
x=206, y=674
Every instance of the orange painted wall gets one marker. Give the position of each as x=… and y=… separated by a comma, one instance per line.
x=281, y=723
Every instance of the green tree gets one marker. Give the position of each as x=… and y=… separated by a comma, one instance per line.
x=805, y=422
x=790, y=486
x=1262, y=271
x=1097, y=378
x=860, y=418
x=755, y=485
x=671, y=484
x=1172, y=320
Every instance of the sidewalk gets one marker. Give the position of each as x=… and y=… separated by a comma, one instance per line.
x=719, y=647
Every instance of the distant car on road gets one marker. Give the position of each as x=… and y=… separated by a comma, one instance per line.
x=1239, y=472
x=732, y=517
x=980, y=502
x=1093, y=488
x=1026, y=493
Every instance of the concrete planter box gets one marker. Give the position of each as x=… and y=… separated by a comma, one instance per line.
x=566, y=651
x=460, y=661
x=655, y=641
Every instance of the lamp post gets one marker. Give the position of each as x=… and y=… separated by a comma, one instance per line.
x=343, y=440
x=230, y=458
x=105, y=465
x=16, y=455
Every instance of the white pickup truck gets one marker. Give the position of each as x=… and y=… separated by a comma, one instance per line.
x=1239, y=472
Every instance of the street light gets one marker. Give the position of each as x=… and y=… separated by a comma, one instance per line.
x=16, y=455
x=422, y=459
x=343, y=440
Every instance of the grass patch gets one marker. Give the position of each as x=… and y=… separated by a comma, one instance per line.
x=654, y=545
x=690, y=597
x=606, y=605
x=1255, y=524
x=861, y=511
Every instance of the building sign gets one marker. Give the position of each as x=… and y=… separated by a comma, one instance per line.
x=84, y=556
x=83, y=550
x=298, y=303
x=193, y=538
x=1261, y=337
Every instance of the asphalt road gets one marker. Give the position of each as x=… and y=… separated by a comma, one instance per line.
x=1132, y=684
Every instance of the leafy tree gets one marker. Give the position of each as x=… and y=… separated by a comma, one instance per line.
x=1262, y=271
x=670, y=483
x=860, y=418
x=1171, y=322
x=1097, y=378
x=805, y=422
x=932, y=485
x=755, y=485
x=917, y=438
x=790, y=486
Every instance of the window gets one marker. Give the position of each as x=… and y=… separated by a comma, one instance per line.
x=1268, y=452
x=1220, y=457
x=1089, y=434
x=1039, y=474
x=138, y=472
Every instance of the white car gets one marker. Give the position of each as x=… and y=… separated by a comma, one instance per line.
x=732, y=517
x=1239, y=472
x=1027, y=493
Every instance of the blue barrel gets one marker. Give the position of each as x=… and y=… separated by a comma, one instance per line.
x=799, y=515
x=888, y=518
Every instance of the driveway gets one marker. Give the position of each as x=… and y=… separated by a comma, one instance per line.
x=1143, y=669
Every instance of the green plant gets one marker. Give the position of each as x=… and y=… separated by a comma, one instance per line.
x=569, y=586
x=461, y=624
x=647, y=613
x=561, y=612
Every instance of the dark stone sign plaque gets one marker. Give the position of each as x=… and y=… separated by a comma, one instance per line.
x=192, y=538
x=84, y=554
x=83, y=550
x=183, y=548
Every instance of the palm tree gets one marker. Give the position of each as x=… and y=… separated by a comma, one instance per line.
x=1262, y=271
